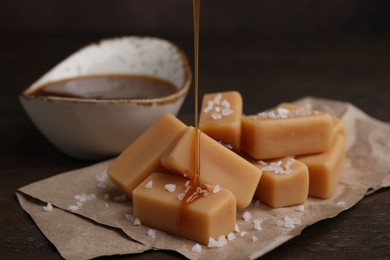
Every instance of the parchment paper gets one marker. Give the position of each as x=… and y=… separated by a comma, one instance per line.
x=367, y=169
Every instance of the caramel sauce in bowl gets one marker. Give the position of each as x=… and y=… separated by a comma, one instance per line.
x=97, y=101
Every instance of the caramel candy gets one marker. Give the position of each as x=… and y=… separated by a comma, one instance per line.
x=220, y=117
x=325, y=169
x=158, y=206
x=284, y=132
x=142, y=157
x=218, y=166
x=284, y=182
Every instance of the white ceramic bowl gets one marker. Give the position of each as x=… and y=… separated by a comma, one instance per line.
x=94, y=129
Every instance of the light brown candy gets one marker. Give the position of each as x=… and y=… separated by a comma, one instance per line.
x=285, y=182
x=325, y=169
x=284, y=132
x=142, y=157
x=220, y=117
x=212, y=215
x=218, y=166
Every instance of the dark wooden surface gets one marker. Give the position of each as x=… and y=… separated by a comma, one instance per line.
x=354, y=68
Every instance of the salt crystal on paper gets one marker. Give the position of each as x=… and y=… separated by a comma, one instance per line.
x=137, y=222
x=170, y=187
x=243, y=233
x=48, y=207
x=101, y=177
x=196, y=248
x=300, y=208
x=212, y=243
x=257, y=223
x=149, y=184
x=236, y=228
x=231, y=236
x=152, y=233
x=290, y=222
x=254, y=238
x=222, y=241
x=247, y=216
x=340, y=203
x=90, y=197
x=73, y=207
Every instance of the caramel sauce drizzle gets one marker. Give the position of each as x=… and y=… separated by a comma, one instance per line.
x=196, y=189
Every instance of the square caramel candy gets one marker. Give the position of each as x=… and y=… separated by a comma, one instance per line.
x=220, y=117
x=218, y=166
x=285, y=132
x=285, y=182
x=142, y=157
x=325, y=169
x=157, y=202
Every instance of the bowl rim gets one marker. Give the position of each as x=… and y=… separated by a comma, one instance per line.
x=171, y=98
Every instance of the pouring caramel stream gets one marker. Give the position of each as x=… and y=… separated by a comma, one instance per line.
x=196, y=189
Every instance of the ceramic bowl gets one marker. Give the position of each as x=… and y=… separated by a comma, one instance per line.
x=90, y=128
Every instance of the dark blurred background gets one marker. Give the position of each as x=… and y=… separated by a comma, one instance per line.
x=283, y=49
x=163, y=17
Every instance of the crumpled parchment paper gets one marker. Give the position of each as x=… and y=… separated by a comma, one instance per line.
x=98, y=221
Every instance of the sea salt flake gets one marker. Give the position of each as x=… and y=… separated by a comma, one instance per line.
x=216, y=188
x=180, y=196
x=243, y=233
x=149, y=184
x=254, y=238
x=217, y=99
x=48, y=207
x=79, y=204
x=73, y=208
x=231, y=236
x=300, y=208
x=227, y=111
x=247, y=216
x=152, y=233
x=290, y=223
x=340, y=203
x=196, y=248
x=222, y=241
x=212, y=243
x=225, y=103
x=137, y=222
x=217, y=109
x=216, y=116
x=170, y=187
x=257, y=224
x=90, y=197
x=236, y=228
x=101, y=177
x=80, y=197
x=208, y=109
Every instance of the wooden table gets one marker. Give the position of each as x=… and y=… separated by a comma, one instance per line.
x=352, y=68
